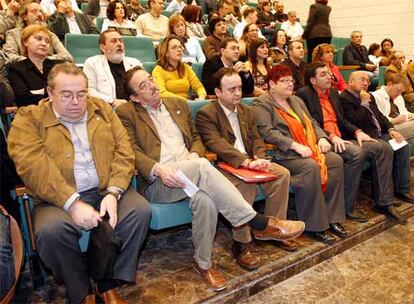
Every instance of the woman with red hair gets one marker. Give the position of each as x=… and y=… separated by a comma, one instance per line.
x=302, y=147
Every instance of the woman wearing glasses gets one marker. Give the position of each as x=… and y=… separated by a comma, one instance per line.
x=28, y=77
x=173, y=77
x=302, y=147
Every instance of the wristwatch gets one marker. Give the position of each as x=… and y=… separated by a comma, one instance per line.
x=114, y=193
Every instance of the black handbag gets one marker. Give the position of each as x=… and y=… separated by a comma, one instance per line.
x=103, y=249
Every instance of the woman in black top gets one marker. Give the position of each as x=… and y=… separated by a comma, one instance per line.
x=28, y=77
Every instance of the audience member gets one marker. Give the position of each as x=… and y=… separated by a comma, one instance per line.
x=176, y=6
x=280, y=16
x=229, y=58
x=398, y=65
x=116, y=14
x=228, y=128
x=278, y=52
x=292, y=28
x=249, y=17
x=258, y=65
x=250, y=34
x=318, y=29
x=173, y=77
x=357, y=54
x=296, y=64
x=324, y=53
x=6, y=91
x=265, y=17
x=153, y=24
x=391, y=104
x=362, y=111
x=75, y=192
x=65, y=20
x=325, y=107
x=7, y=270
x=387, y=50
x=303, y=148
x=374, y=55
x=105, y=72
x=49, y=7
x=227, y=12
x=168, y=148
x=28, y=77
x=134, y=9
x=8, y=17
x=243, y=5
x=192, y=16
x=31, y=13
x=218, y=30
x=192, y=52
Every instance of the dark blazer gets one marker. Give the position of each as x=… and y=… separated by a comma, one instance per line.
x=298, y=73
x=57, y=24
x=218, y=136
x=274, y=129
x=318, y=22
x=361, y=117
x=354, y=56
x=25, y=77
x=144, y=137
x=311, y=99
x=214, y=64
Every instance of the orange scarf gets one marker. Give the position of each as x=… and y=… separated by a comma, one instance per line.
x=298, y=131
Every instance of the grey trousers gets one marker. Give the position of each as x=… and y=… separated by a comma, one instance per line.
x=57, y=240
x=277, y=197
x=217, y=194
x=315, y=208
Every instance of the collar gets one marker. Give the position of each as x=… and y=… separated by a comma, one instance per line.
x=322, y=94
x=160, y=108
x=70, y=121
x=227, y=111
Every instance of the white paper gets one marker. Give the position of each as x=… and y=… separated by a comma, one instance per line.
x=38, y=92
x=190, y=189
x=396, y=146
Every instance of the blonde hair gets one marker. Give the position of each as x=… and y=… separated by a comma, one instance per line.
x=29, y=31
x=173, y=21
x=320, y=50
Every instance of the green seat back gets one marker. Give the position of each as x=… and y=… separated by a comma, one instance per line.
x=82, y=46
x=167, y=13
x=201, y=41
x=141, y=48
x=99, y=21
x=84, y=7
x=381, y=75
x=148, y=66
x=198, y=69
x=339, y=57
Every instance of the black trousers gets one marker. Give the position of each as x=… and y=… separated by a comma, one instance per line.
x=57, y=240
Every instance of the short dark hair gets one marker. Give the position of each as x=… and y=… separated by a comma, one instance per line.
x=213, y=22
x=110, y=11
x=310, y=71
x=102, y=35
x=291, y=42
x=248, y=11
x=386, y=40
x=67, y=68
x=126, y=79
x=372, y=48
x=219, y=75
x=226, y=41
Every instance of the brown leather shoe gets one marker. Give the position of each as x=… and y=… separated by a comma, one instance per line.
x=280, y=230
x=110, y=297
x=244, y=256
x=213, y=277
x=89, y=299
x=288, y=245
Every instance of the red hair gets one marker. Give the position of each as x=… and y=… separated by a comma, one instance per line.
x=278, y=72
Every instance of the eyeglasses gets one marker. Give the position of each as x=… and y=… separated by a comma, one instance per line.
x=363, y=79
x=254, y=30
x=69, y=96
x=287, y=81
x=146, y=84
x=177, y=48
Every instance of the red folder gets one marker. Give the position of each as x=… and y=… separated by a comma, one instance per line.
x=248, y=175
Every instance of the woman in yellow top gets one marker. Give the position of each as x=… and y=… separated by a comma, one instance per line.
x=173, y=77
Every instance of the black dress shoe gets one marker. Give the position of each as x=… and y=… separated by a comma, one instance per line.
x=392, y=213
x=338, y=230
x=406, y=197
x=324, y=237
x=357, y=216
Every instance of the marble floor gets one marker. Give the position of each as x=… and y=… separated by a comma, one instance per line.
x=165, y=275
x=379, y=270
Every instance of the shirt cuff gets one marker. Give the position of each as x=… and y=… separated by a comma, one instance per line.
x=151, y=176
x=113, y=188
x=73, y=198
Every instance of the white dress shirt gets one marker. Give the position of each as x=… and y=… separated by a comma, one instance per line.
x=235, y=125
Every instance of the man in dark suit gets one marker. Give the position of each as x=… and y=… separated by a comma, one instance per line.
x=325, y=107
x=357, y=54
x=228, y=128
x=296, y=64
x=229, y=58
x=361, y=110
x=168, y=150
x=65, y=20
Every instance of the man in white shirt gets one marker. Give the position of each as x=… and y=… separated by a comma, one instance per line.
x=153, y=24
x=392, y=105
x=49, y=6
x=105, y=71
x=292, y=28
x=176, y=6
x=249, y=16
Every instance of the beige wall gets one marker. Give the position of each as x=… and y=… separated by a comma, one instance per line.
x=376, y=19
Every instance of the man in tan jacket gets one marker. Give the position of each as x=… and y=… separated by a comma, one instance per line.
x=74, y=156
x=168, y=151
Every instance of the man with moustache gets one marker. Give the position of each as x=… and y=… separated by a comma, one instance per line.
x=105, y=71
x=31, y=13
